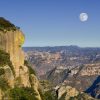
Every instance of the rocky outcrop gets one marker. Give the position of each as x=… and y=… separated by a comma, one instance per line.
x=70, y=93
x=35, y=85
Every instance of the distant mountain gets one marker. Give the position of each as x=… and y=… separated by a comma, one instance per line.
x=45, y=59
x=60, y=48
x=49, y=48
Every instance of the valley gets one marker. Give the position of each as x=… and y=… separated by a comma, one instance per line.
x=68, y=65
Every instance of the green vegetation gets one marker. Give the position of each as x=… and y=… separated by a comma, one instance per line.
x=31, y=71
x=3, y=84
x=5, y=25
x=23, y=93
x=18, y=81
x=82, y=96
x=50, y=95
x=2, y=71
x=5, y=60
x=46, y=85
x=63, y=97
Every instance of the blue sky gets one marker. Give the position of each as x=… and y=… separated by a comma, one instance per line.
x=55, y=22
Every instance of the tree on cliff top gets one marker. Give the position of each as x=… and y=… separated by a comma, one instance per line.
x=6, y=25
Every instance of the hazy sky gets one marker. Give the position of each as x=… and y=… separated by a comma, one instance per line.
x=55, y=22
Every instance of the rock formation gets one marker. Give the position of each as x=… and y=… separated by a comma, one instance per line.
x=11, y=42
x=12, y=67
x=70, y=93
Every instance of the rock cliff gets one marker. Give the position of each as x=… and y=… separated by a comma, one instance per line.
x=14, y=73
x=11, y=42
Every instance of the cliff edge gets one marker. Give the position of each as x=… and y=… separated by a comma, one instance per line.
x=16, y=76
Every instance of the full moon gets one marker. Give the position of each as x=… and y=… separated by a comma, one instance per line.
x=83, y=17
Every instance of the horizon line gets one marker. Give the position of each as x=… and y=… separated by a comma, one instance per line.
x=65, y=46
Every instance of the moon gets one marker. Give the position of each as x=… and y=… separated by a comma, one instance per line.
x=83, y=17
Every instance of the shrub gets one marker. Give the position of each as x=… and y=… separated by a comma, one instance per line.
x=49, y=95
x=2, y=71
x=6, y=25
x=23, y=93
x=31, y=70
x=3, y=84
x=5, y=60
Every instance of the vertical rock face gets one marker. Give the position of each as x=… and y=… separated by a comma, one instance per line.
x=13, y=68
x=11, y=42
